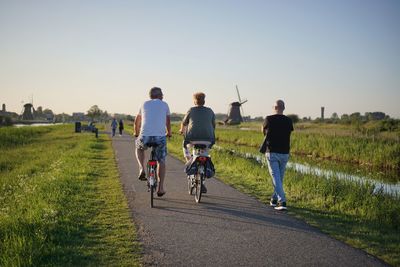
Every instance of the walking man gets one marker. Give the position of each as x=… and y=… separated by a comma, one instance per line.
x=114, y=124
x=152, y=125
x=277, y=129
x=120, y=126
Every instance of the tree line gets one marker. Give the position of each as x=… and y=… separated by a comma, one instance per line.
x=379, y=120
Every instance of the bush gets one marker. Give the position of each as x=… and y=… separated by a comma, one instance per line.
x=295, y=118
x=8, y=121
x=5, y=121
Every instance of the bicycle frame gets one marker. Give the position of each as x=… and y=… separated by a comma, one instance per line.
x=152, y=171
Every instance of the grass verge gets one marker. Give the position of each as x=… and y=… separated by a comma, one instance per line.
x=61, y=202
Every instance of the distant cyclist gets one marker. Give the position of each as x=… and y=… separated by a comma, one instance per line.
x=152, y=125
x=198, y=125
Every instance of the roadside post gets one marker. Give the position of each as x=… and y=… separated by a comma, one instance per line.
x=78, y=127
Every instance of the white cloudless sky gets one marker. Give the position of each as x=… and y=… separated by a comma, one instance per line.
x=340, y=54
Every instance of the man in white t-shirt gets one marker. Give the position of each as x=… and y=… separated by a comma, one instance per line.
x=152, y=125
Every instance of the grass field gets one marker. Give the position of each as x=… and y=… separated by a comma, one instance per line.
x=61, y=202
x=341, y=144
x=346, y=210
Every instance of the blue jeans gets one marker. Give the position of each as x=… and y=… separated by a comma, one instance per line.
x=277, y=166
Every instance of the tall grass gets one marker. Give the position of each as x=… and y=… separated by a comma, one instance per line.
x=360, y=150
x=347, y=210
x=11, y=136
x=61, y=202
x=382, y=153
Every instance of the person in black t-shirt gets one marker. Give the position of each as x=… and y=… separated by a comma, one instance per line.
x=277, y=129
x=121, y=126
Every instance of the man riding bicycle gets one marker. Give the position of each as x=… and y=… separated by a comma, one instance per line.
x=198, y=125
x=152, y=125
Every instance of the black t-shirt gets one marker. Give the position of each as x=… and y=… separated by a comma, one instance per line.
x=278, y=129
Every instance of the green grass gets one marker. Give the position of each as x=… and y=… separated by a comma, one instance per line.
x=12, y=137
x=343, y=209
x=323, y=143
x=348, y=211
x=61, y=202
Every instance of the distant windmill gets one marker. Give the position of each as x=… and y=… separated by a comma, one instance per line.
x=234, y=115
x=29, y=111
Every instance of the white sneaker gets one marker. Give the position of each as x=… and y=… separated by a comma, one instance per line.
x=281, y=206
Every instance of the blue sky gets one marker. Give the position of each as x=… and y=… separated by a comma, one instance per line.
x=70, y=55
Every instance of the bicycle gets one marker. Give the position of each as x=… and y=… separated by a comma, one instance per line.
x=152, y=172
x=196, y=181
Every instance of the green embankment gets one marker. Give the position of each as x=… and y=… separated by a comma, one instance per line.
x=61, y=202
x=347, y=210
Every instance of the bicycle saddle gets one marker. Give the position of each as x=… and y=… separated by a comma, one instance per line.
x=151, y=144
x=200, y=146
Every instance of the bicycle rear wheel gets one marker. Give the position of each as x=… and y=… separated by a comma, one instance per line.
x=152, y=177
x=190, y=185
x=198, y=187
x=153, y=186
x=152, y=196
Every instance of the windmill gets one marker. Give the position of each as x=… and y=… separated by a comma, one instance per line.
x=28, y=111
x=234, y=114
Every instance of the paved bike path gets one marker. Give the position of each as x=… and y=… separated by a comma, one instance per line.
x=227, y=228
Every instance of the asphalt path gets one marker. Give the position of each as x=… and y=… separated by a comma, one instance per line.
x=228, y=228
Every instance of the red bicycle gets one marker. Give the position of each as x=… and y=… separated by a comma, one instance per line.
x=152, y=172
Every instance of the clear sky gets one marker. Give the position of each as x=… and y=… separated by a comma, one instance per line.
x=72, y=54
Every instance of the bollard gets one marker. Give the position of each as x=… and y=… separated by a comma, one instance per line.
x=78, y=127
x=97, y=133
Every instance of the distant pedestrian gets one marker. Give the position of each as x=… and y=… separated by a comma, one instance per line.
x=277, y=129
x=114, y=125
x=120, y=126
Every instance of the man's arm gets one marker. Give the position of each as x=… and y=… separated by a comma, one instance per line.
x=137, y=125
x=168, y=125
x=182, y=129
x=213, y=120
x=185, y=122
x=264, y=126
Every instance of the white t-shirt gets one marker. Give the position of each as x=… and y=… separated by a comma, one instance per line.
x=154, y=113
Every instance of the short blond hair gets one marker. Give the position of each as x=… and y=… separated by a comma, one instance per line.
x=199, y=98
